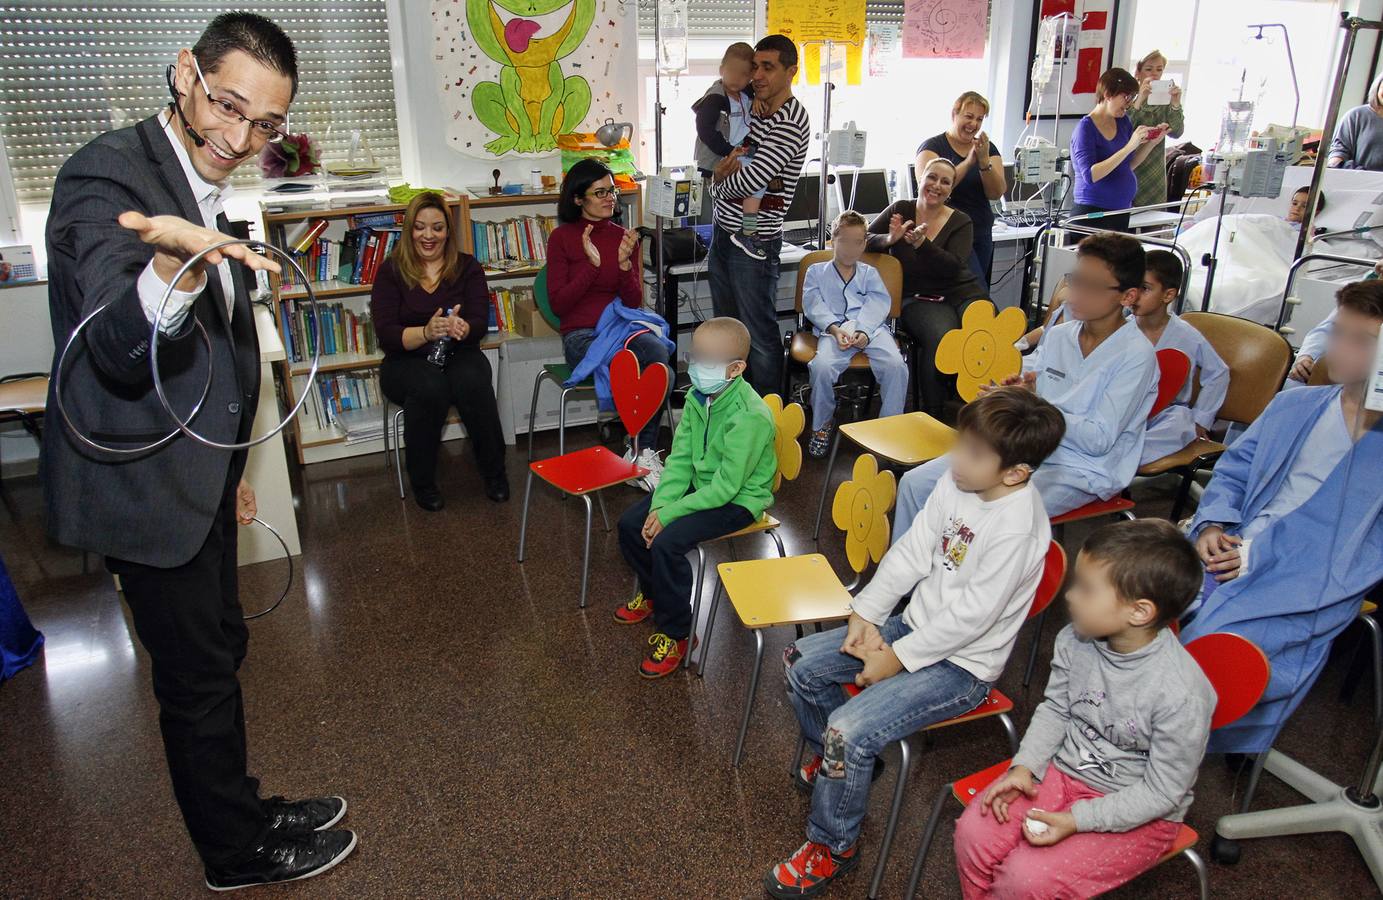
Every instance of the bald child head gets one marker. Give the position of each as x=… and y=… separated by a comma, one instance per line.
x=719, y=345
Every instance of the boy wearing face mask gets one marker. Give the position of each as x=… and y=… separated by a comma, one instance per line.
x=718, y=478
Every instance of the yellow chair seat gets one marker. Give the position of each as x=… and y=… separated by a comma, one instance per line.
x=791, y=591
x=27, y=396
x=1182, y=458
x=1368, y=608
x=906, y=440
x=765, y=523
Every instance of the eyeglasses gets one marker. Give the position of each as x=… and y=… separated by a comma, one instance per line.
x=1077, y=283
x=603, y=193
x=228, y=113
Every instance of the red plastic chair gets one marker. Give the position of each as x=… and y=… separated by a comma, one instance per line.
x=581, y=473
x=1236, y=669
x=1173, y=368
x=996, y=704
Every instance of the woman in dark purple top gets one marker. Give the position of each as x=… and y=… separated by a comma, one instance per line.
x=1105, y=149
x=431, y=309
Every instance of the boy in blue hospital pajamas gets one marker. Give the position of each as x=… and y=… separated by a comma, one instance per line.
x=848, y=304
x=1098, y=369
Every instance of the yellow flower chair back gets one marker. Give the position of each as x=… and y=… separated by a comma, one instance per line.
x=861, y=507
x=788, y=421
x=981, y=350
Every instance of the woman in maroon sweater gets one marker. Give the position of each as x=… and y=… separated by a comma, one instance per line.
x=592, y=262
x=431, y=309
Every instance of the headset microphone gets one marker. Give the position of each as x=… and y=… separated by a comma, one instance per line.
x=177, y=108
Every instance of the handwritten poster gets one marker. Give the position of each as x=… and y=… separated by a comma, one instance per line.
x=885, y=48
x=945, y=29
x=810, y=23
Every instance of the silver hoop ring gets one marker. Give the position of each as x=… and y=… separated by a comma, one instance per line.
x=316, y=350
x=287, y=556
x=62, y=407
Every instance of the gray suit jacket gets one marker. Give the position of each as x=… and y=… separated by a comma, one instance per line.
x=155, y=508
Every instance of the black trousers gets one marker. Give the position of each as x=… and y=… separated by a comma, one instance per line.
x=665, y=573
x=188, y=619
x=427, y=393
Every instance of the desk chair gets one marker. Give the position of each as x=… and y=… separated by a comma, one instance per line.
x=393, y=425
x=1237, y=670
x=557, y=373
x=24, y=398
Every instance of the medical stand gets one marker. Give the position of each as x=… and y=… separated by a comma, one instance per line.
x=827, y=87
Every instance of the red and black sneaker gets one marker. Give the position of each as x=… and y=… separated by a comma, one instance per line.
x=664, y=656
x=805, y=778
x=809, y=871
x=635, y=611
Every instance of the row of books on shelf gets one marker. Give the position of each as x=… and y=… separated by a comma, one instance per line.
x=343, y=330
x=339, y=394
x=354, y=259
x=504, y=302
x=498, y=245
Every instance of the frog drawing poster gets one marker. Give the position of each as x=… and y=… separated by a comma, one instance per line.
x=516, y=74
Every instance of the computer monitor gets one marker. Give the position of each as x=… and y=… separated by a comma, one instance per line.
x=806, y=201
x=871, y=197
x=1018, y=193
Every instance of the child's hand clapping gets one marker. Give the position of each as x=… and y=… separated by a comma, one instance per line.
x=997, y=797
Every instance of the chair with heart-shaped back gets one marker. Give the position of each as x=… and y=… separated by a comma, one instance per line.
x=1238, y=671
x=557, y=373
x=638, y=397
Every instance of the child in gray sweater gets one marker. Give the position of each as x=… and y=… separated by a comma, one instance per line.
x=1103, y=778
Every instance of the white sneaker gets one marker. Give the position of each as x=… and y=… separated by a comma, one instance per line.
x=650, y=460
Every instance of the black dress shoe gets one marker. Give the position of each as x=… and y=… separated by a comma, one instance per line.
x=284, y=857
x=497, y=489
x=429, y=498
x=302, y=816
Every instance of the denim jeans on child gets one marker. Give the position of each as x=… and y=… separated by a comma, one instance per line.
x=665, y=573
x=647, y=349
x=849, y=735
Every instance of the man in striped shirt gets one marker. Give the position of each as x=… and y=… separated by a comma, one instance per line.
x=742, y=286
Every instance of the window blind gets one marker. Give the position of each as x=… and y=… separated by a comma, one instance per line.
x=69, y=71
x=732, y=20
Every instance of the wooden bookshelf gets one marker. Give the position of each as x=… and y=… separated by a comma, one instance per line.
x=314, y=443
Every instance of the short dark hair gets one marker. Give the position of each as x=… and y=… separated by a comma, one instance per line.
x=738, y=50
x=1123, y=255
x=1020, y=426
x=1320, y=196
x=1164, y=266
x=1149, y=559
x=787, y=50
x=848, y=219
x=249, y=33
x=1115, y=82
x=1364, y=297
x=583, y=174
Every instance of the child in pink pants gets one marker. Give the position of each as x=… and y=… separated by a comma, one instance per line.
x=1103, y=778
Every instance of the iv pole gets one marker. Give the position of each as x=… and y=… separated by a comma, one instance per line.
x=827, y=86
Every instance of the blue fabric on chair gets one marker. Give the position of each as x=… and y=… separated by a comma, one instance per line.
x=19, y=641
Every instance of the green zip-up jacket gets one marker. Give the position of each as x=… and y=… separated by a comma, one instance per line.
x=722, y=453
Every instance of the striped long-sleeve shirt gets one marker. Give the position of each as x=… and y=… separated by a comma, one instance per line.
x=780, y=149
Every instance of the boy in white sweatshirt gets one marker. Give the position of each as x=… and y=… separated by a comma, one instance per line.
x=971, y=562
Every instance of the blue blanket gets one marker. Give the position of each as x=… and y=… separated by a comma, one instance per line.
x=618, y=323
x=1308, y=571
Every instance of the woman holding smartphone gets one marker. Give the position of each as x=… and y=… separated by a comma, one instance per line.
x=1105, y=149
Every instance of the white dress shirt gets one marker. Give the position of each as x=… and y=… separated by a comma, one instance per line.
x=210, y=198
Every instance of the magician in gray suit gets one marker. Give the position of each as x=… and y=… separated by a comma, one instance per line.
x=128, y=210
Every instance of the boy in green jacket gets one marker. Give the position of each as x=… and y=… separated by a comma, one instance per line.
x=718, y=478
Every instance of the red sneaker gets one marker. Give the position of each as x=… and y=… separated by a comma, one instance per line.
x=805, y=780
x=635, y=611
x=808, y=871
x=664, y=656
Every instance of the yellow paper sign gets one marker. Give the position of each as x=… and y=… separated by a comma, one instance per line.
x=812, y=22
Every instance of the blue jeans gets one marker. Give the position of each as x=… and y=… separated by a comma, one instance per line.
x=849, y=734
x=647, y=349
x=745, y=288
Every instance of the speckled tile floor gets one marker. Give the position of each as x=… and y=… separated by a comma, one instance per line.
x=494, y=740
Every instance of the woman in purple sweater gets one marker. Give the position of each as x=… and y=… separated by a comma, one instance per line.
x=431, y=309
x=1106, y=148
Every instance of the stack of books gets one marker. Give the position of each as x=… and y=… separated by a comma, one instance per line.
x=502, y=304
x=343, y=329
x=342, y=392
x=354, y=259
x=514, y=244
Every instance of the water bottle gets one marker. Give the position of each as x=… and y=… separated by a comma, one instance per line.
x=440, y=352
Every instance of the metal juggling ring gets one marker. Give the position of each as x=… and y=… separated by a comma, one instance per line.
x=62, y=407
x=288, y=557
x=316, y=349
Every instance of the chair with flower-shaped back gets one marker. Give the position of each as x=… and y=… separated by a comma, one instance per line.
x=788, y=422
x=800, y=590
x=638, y=397
x=978, y=352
